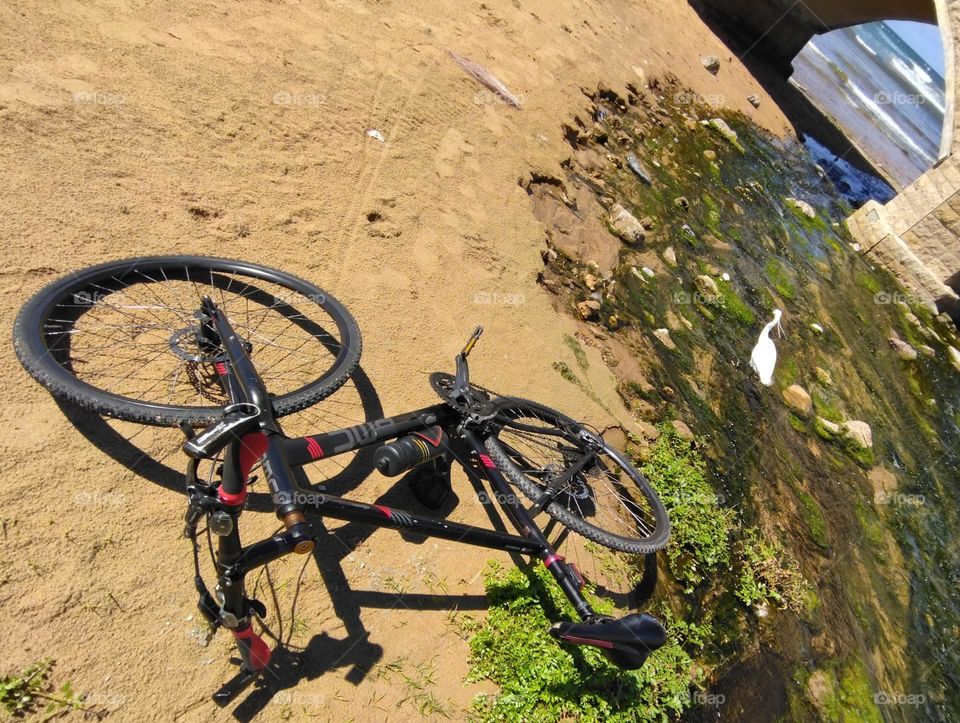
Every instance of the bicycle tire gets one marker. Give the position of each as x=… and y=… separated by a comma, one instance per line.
x=505, y=458
x=48, y=361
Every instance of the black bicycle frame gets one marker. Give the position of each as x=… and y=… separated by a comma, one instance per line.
x=278, y=454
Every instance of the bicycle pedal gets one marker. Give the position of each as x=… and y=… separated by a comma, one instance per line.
x=235, y=686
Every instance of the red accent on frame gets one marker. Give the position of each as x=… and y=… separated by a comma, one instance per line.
x=486, y=461
x=233, y=499
x=385, y=510
x=314, y=449
x=259, y=652
x=587, y=641
x=552, y=559
x=221, y=368
x=434, y=442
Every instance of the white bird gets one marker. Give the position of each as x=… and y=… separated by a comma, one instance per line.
x=764, y=356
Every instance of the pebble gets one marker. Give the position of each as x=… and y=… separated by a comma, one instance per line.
x=817, y=329
x=589, y=309
x=802, y=206
x=708, y=288
x=637, y=167
x=954, y=356
x=670, y=257
x=625, y=225
x=711, y=63
x=681, y=202
x=797, y=398
x=710, y=155
x=903, y=350
x=754, y=100
x=664, y=336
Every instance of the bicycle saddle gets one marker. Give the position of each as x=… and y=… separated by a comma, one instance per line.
x=626, y=642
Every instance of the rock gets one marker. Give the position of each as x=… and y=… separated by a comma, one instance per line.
x=801, y=206
x=681, y=202
x=754, y=100
x=548, y=255
x=831, y=427
x=798, y=400
x=903, y=350
x=823, y=376
x=725, y=276
x=710, y=155
x=648, y=431
x=637, y=273
x=912, y=319
x=817, y=329
x=637, y=167
x=646, y=222
x=670, y=257
x=682, y=429
x=708, y=288
x=859, y=432
x=711, y=63
x=591, y=281
x=664, y=336
x=648, y=272
x=954, y=356
x=625, y=225
x=730, y=135
x=589, y=309
x=613, y=321
x=927, y=350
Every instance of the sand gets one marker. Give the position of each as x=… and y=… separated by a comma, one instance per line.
x=240, y=129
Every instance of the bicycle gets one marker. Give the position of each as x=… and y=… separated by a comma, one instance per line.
x=199, y=342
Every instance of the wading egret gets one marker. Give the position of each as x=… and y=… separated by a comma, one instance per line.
x=764, y=356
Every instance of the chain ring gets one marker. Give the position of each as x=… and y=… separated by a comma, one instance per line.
x=478, y=410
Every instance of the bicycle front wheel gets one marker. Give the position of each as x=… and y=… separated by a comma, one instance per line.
x=595, y=490
x=123, y=339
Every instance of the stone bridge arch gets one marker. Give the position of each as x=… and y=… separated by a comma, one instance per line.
x=916, y=235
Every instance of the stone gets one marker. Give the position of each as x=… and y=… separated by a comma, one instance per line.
x=954, y=356
x=681, y=202
x=591, y=281
x=831, y=427
x=927, y=350
x=710, y=155
x=548, y=255
x=638, y=274
x=646, y=222
x=711, y=63
x=797, y=398
x=589, y=309
x=816, y=328
x=801, y=206
x=637, y=167
x=859, y=432
x=720, y=126
x=664, y=336
x=626, y=226
x=670, y=257
x=708, y=288
x=754, y=100
x=903, y=350
x=823, y=376
x=648, y=272
x=682, y=429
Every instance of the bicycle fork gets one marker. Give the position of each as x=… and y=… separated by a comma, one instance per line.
x=566, y=574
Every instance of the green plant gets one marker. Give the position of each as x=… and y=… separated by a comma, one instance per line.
x=769, y=572
x=700, y=527
x=542, y=680
x=22, y=693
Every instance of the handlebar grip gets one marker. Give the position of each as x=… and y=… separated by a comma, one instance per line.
x=253, y=649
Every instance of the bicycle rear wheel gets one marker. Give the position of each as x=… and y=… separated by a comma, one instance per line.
x=600, y=495
x=122, y=339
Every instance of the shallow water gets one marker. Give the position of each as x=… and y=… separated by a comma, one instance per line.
x=874, y=530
